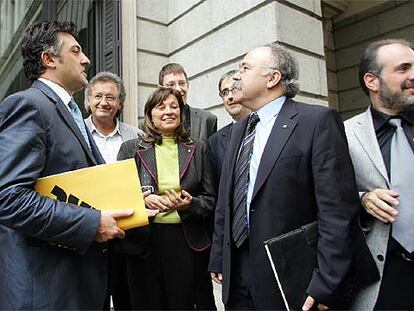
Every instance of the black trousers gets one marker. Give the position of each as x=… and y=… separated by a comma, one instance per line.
x=241, y=292
x=118, y=285
x=172, y=276
x=397, y=285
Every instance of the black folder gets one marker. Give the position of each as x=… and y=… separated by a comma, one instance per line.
x=293, y=257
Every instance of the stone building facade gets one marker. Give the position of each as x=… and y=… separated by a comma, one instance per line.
x=135, y=38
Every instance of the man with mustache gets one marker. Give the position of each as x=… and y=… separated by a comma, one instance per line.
x=381, y=147
x=287, y=165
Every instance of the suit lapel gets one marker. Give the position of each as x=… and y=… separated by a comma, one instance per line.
x=66, y=116
x=234, y=142
x=185, y=154
x=195, y=123
x=365, y=134
x=281, y=131
x=147, y=155
x=226, y=131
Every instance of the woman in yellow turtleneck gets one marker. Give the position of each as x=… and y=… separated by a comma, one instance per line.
x=167, y=261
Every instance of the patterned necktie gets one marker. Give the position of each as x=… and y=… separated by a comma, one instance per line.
x=77, y=116
x=402, y=172
x=241, y=182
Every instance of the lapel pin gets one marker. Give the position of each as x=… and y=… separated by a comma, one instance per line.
x=284, y=126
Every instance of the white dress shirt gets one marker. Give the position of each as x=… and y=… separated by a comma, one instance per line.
x=60, y=91
x=109, y=144
x=267, y=115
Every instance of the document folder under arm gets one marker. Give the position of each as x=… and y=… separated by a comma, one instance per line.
x=293, y=257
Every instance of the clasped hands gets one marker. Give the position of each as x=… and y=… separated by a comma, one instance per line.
x=170, y=201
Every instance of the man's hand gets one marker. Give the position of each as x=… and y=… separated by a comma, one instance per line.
x=108, y=228
x=381, y=203
x=217, y=277
x=180, y=203
x=309, y=302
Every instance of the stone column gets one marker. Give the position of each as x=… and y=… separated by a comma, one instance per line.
x=129, y=60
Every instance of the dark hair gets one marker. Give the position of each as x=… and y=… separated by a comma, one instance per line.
x=171, y=68
x=283, y=61
x=106, y=76
x=369, y=60
x=157, y=97
x=226, y=75
x=42, y=37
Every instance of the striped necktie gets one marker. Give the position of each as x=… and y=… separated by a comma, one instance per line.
x=77, y=116
x=241, y=182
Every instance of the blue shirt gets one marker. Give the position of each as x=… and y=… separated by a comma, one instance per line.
x=267, y=115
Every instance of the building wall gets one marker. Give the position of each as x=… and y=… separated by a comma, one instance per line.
x=391, y=19
x=14, y=16
x=210, y=37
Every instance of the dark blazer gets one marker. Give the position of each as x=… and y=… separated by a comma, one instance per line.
x=48, y=259
x=195, y=178
x=203, y=124
x=305, y=174
x=216, y=150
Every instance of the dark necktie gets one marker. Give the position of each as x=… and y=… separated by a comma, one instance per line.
x=402, y=172
x=241, y=183
x=77, y=116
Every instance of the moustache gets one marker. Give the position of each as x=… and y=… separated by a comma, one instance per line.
x=408, y=84
x=236, y=85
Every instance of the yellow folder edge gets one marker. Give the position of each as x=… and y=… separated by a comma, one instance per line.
x=114, y=186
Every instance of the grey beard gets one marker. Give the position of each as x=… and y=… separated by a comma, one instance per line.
x=394, y=101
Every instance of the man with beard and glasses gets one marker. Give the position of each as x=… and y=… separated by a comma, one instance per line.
x=381, y=147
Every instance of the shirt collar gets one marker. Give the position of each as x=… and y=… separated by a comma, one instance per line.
x=268, y=111
x=381, y=119
x=60, y=91
x=113, y=133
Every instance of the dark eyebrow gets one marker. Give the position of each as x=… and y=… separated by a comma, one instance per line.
x=77, y=47
x=404, y=65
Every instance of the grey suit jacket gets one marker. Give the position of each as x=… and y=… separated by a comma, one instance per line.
x=48, y=259
x=127, y=131
x=370, y=173
x=203, y=124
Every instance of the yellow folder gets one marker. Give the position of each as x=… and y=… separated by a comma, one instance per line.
x=112, y=186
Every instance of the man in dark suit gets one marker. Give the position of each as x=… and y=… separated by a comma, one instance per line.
x=386, y=75
x=217, y=144
x=200, y=123
x=299, y=172
x=52, y=255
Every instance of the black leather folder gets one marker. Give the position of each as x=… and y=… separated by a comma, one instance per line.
x=293, y=257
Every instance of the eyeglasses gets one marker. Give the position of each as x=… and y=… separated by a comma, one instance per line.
x=226, y=92
x=171, y=85
x=108, y=98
